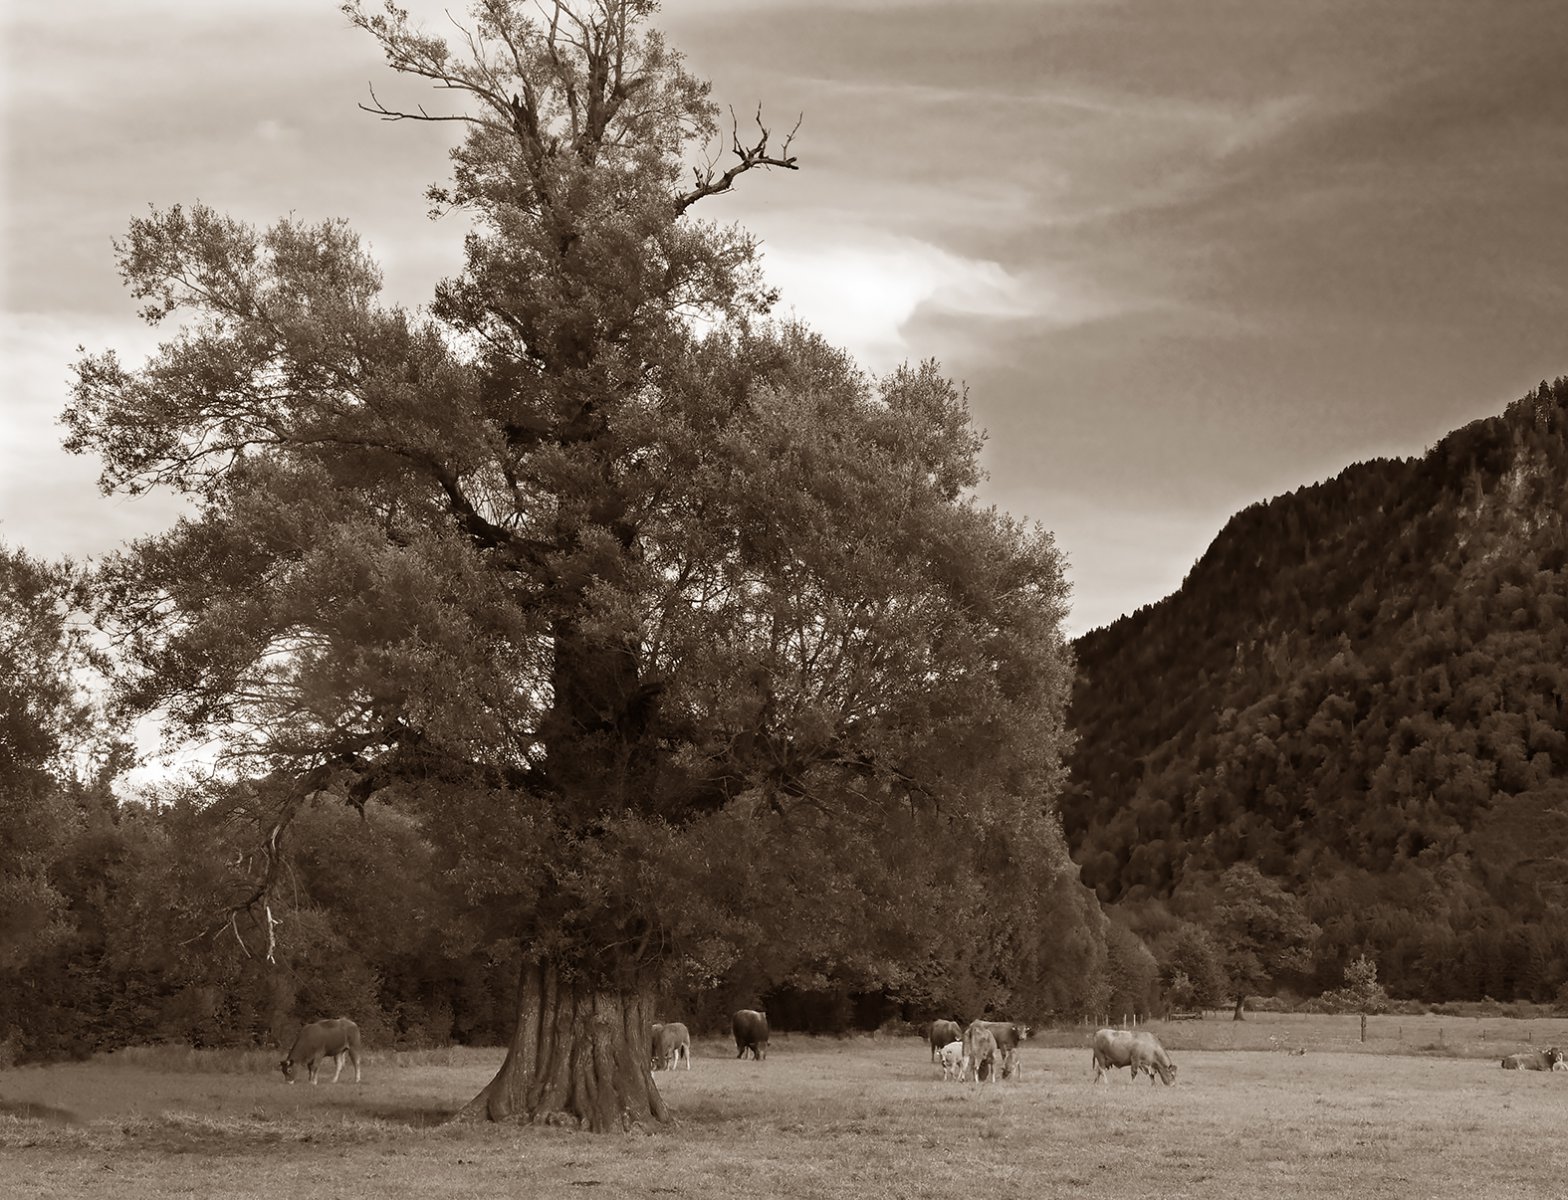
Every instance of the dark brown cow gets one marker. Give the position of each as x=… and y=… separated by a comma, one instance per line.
x=323, y=1039
x=751, y=1033
x=943, y=1032
x=1540, y=1060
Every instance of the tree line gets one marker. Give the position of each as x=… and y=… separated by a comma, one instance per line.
x=1362, y=688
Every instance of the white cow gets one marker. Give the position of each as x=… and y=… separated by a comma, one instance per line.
x=953, y=1062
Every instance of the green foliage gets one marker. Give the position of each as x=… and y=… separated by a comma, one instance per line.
x=45, y=720
x=1132, y=973
x=678, y=645
x=1361, y=689
x=1262, y=931
x=1362, y=993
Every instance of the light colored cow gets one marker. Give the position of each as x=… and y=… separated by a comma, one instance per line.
x=671, y=1043
x=1009, y=1035
x=953, y=1061
x=1137, y=1051
x=1011, y=1066
x=323, y=1039
x=1539, y=1060
x=980, y=1056
x=941, y=1033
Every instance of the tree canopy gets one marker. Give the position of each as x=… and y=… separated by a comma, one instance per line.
x=683, y=638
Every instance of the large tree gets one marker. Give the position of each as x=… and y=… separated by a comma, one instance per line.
x=684, y=638
x=1263, y=931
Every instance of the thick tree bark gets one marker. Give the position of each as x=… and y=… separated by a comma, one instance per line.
x=579, y=1057
x=1241, y=1006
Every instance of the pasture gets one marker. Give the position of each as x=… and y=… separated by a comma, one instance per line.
x=858, y=1117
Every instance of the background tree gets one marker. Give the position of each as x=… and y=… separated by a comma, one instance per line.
x=47, y=730
x=681, y=638
x=1192, y=967
x=1262, y=930
x=1362, y=993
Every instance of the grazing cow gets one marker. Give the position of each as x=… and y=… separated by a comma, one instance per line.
x=1139, y=1051
x=324, y=1039
x=943, y=1032
x=671, y=1043
x=1540, y=1060
x=979, y=1053
x=953, y=1060
x=1008, y=1035
x=751, y=1033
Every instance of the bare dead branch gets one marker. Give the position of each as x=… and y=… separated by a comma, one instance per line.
x=750, y=157
x=376, y=108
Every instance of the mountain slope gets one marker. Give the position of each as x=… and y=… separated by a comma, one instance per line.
x=1362, y=687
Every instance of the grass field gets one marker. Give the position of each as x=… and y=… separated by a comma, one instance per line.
x=861, y=1117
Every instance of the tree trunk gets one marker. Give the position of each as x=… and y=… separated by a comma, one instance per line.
x=1363, y=1027
x=579, y=1057
x=1240, y=1013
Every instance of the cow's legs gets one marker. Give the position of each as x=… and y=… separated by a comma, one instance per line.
x=337, y=1062
x=355, y=1055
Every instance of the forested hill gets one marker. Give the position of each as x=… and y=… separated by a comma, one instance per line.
x=1362, y=688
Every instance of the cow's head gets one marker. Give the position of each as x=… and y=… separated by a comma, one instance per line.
x=287, y=1067
x=1167, y=1073
x=1554, y=1056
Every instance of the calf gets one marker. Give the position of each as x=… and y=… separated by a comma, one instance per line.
x=953, y=1062
x=323, y=1039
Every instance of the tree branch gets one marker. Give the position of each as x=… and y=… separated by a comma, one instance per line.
x=750, y=158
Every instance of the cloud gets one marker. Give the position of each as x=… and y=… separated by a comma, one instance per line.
x=862, y=287
x=49, y=499
x=273, y=130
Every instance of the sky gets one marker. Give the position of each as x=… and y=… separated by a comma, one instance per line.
x=1183, y=256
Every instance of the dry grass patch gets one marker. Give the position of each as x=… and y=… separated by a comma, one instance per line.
x=858, y=1118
